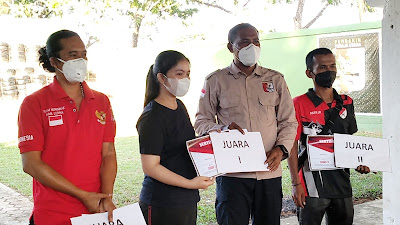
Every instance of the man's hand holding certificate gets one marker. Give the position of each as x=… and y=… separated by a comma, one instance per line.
x=232, y=152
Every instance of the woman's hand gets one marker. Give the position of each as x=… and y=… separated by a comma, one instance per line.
x=201, y=182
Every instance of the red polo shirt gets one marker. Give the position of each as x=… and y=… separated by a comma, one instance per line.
x=70, y=141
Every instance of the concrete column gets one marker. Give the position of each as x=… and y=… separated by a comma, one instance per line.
x=391, y=108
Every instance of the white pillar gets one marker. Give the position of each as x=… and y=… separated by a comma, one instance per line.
x=391, y=108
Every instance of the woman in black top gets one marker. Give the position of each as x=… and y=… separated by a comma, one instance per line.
x=169, y=194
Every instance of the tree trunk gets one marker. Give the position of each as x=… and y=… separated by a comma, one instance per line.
x=299, y=15
x=316, y=17
x=135, y=38
x=361, y=9
x=135, y=26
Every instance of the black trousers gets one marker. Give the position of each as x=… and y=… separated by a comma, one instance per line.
x=239, y=199
x=169, y=216
x=339, y=211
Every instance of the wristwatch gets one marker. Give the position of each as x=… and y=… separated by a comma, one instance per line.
x=284, y=150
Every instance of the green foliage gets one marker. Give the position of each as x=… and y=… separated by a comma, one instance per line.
x=155, y=7
x=5, y=8
x=333, y=2
x=366, y=185
x=11, y=173
x=30, y=8
x=96, y=10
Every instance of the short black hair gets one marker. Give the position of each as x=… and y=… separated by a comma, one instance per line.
x=233, y=32
x=310, y=56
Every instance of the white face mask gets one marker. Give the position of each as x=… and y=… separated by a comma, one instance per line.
x=249, y=55
x=74, y=70
x=179, y=87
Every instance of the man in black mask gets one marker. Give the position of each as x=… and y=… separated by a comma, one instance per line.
x=322, y=111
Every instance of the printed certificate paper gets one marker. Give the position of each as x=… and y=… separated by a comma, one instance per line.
x=202, y=155
x=127, y=215
x=352, y=151
x=235, y=152
x=320, y=152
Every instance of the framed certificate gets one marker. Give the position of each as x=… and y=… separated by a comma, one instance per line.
x=321, y=152
x=202, y=155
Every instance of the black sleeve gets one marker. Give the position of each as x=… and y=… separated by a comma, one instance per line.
x=151, y=138
x=353, y=123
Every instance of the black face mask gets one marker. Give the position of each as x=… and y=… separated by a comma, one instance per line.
x=325, y=79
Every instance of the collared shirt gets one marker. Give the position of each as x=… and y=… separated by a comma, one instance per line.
x=311, y=113
x=258, y=102
x=70, y=141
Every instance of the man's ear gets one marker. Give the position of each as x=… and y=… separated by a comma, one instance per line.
x=230, y=47
x=53, y=62
x=309, y=73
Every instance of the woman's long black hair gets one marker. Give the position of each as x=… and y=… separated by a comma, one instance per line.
x=164, y=62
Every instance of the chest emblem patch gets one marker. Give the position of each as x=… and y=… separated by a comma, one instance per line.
x=55, y=120
x=268, y=86
x=343, y=113
x=101, y=117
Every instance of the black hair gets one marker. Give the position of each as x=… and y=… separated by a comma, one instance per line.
x=53, y=48
x=163, y=63
x=233, y=32
x=310, y=56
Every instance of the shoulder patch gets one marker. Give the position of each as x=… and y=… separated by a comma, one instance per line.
x=274, y=72
x=212, y=74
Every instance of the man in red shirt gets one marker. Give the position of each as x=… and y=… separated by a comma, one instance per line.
x=66, y=138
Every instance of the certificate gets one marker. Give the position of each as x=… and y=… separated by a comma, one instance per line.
x=352, y=151
x=235, y=152
x=202, y=155
x=320, y=152
x=127, y=215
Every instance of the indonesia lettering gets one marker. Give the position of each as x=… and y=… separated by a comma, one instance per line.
x=28, y=137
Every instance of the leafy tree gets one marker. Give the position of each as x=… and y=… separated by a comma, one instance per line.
x=137, y=10
x=29, y=8
x=298, y=18
x=140, y=10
